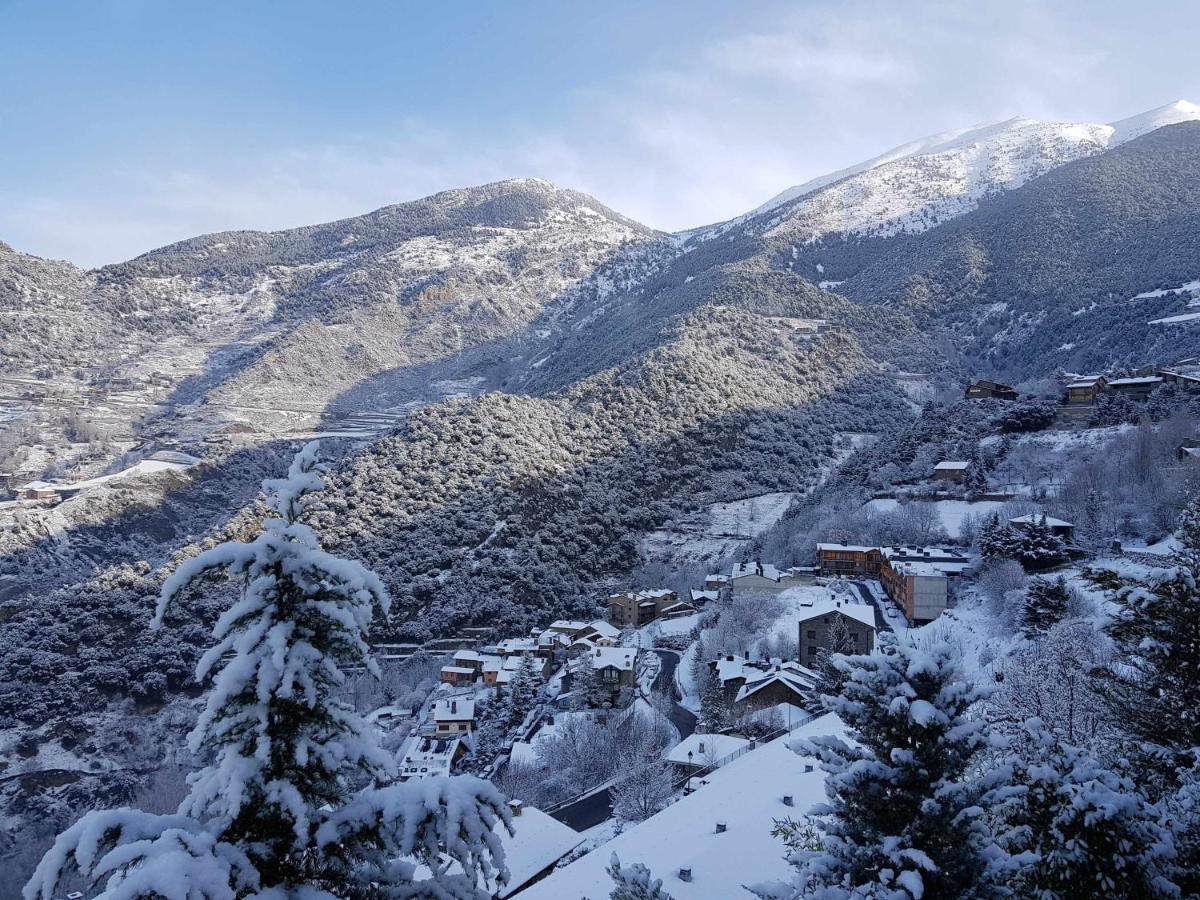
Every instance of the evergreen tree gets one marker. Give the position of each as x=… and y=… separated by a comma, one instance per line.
x=1152, y=687
x=634, y=882
x=715, y=714
x=999, y=539
x=1188, y=529
x=830, y=678
x=1077, y=830
x=905, y=811
x=279, y=808
x=1038, y=546
x=491, y=729
x=524, y=691
x=589, y=691
x=1045, y=606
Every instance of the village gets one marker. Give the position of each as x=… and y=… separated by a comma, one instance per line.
x=718, y=673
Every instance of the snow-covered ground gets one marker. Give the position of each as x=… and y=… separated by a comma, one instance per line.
x=719, y=531
x=745, y=796
x=951, y=512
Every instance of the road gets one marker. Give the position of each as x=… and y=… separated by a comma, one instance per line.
x=590, y=811
x=681, y=717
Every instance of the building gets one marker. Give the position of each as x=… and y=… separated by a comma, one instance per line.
x=762, y=578
x=1185, y=374
x=1136, y=388
x=952, y=470
x=718, y=583
x=569, y=627
x=453, y=716
x=989, y=390
x=39, y=490
x=848, y=561
x=1189, y=451
x=1085, y=389
x=780, y=682
x=430, y=757
x=919, y=588
x=700, y=596
x=683, y=845
x=859, y=619
x=1058, y=527
x=616, y=667
x=631, y=609
x=458, y=675
x=705, y=751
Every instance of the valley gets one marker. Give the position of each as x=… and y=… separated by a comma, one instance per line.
x=553, y=433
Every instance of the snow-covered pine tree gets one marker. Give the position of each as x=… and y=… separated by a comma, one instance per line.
x=998, y=539
x=840, y=641
x=1152, y=686
x=1188, y=529
x=523, y=691
x=488, y=739
x=1045, y=605
x=287, y=803
x=715, y=714
x=905, y=811
x=1078, y=830
x=585, y=683
x=634, y=882
x=1038, y=545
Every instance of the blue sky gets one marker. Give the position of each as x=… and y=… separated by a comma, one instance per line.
x=127, y=125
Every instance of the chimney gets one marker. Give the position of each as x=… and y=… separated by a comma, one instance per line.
x=453, y=706
x=685, y=874
x=808, y=768
x=788, y=800
x=721, y=828
x=515, y=807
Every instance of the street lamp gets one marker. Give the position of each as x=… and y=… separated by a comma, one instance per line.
x=688, y=789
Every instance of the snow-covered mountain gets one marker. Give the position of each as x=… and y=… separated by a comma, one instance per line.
x=926, y=182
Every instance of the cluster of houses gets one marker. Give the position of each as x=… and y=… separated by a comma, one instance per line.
x=915, y=578
x=632, y=609
x=1138, y=385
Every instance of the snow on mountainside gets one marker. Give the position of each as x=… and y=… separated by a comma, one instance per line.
x=924, y=183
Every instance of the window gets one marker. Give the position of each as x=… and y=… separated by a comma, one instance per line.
x=812, y=635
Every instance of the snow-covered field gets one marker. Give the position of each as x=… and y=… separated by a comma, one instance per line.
x=951, y=512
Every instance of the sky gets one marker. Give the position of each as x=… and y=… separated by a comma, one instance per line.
x=128, y=124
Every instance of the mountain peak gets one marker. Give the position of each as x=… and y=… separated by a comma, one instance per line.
x=1170, y=114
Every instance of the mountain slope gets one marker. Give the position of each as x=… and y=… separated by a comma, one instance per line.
x=921, y=184
x=1045, y=277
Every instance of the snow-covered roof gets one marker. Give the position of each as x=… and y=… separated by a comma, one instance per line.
x=464, y=655
x=538, y=841
x=1144, y=379
x=1038, y=517
x=459, y=670
x=567, y=625
x=924, y=554
x=762, y=570
x=922, y=569
x=605, y=629
x=1085, y=381
x=516, y=645
x=656, y=593
x=39, y=486
x=454, y=709
x=1190, y=451
x=429, y=752
x=705, y=748
x=746, y=795
x=852, y=548
x=717, y=579
x=952, y=465
x=860, y=612
x=789, y=677
x=622, y=658
x=548, y=638
x=697, y=594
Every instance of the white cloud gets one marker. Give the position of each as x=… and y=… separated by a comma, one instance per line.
x=675, y=146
